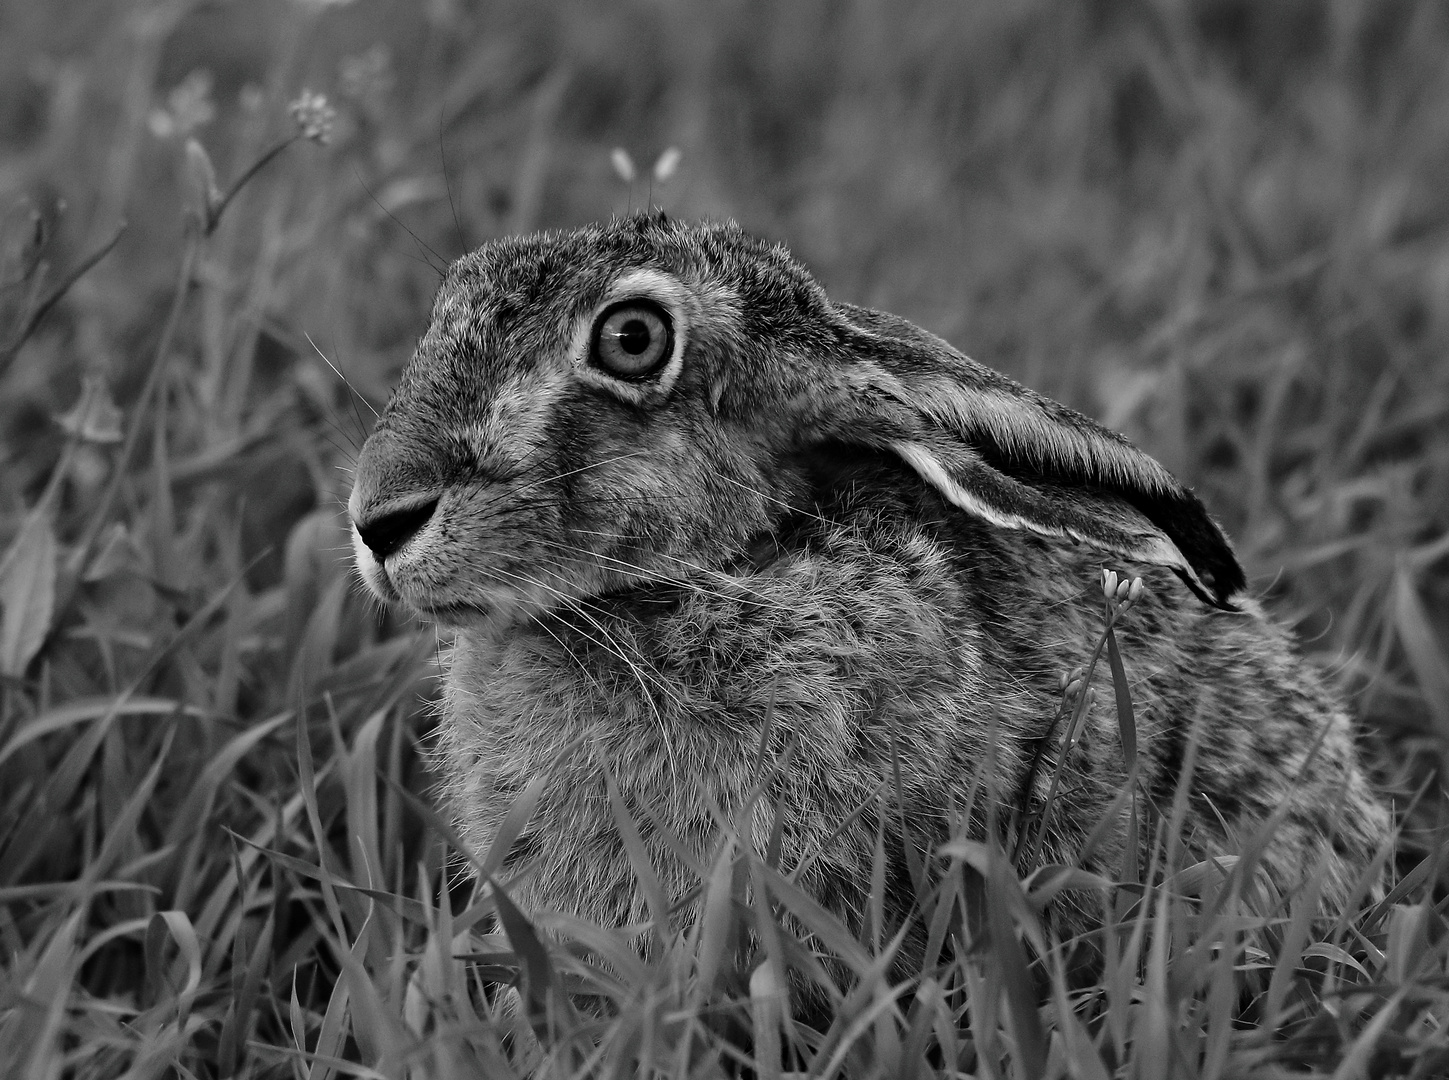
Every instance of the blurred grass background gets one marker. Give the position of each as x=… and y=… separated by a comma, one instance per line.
x=1220, y=226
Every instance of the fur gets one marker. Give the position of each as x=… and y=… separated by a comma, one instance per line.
x=827, y=517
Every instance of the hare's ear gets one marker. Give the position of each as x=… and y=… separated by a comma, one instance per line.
x=1014, y=458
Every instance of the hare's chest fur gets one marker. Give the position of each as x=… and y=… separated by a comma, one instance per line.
x=832, y=661
x=863, y=653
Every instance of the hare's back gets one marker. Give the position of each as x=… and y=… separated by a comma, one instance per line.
x=1230, y=715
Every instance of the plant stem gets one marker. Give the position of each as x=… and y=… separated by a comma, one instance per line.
x=213, y=214
x=42, y=309
x=189, y=257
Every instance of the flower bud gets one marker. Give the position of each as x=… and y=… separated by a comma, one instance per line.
x=201, y=175
x=95, y=417
x=1109, y=583
x=623, y=164
x=666, y=164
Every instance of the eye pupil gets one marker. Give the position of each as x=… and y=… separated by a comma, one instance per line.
x=634, y=337
x=632, y=340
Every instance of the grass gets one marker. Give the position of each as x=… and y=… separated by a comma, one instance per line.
x=1219, y=226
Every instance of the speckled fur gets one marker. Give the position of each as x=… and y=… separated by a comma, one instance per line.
x=657, y=575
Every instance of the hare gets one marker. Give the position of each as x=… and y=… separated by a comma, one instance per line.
x=675, y=501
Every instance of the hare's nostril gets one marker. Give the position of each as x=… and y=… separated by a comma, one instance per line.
x=385, y=533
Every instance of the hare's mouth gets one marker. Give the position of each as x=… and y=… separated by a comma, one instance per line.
x=488, y=609
x=453, y=616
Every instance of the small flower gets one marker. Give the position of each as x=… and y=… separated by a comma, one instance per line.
x=1121, y=593
x=666, y=164
x=623, y=164
x=95, y=417
x=189, y=107
x=313, y=117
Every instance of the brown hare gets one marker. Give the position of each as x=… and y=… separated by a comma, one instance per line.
x=668, y=493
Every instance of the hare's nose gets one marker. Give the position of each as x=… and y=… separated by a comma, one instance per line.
x=385, y=532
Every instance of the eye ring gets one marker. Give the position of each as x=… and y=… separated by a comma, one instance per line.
x=632, y=340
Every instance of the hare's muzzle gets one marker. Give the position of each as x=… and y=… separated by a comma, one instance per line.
x=395, y=494
x=386, y=529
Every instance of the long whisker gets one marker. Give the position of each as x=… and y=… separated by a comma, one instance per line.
x=612, y=645
x=345, y=381
x=792, y=507
x=580, y=469
x=749, y=597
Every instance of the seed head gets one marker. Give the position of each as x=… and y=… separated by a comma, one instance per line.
x=313, y=117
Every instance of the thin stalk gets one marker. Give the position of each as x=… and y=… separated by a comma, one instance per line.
x=42, y=309
x=1079, y=713
x=99, y=516
x=213, y=213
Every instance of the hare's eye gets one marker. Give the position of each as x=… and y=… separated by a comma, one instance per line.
x=632, y=339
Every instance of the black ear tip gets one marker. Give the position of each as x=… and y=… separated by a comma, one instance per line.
x=1227, y=578
x=1216, y=575
x=1217, y=583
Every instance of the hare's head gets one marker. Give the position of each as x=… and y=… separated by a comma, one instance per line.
x=629, y=402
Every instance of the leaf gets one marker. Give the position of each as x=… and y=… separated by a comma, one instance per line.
x=639, y=859
x=1194, y=880
x=27, y=594
x=1423, y=649
x=537, y=969
x=716, y=919
x=159, y=969
x=49, y=986
x=1045, y=882
x=1020, y=1004
x=1337, y=955
x=114, y=553
x=765, y=996
x=1152, y=1025
x=1126, y=719
x=1355, y=1063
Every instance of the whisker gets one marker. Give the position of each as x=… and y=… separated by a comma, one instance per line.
x=650, y=574
x=612, y=645
x=580, y=469
x=345, y=383
x=573, y=604
x=421, y=245
x=349, y=455
x=792, y=507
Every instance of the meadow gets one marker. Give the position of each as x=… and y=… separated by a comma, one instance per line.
x=1219, y=226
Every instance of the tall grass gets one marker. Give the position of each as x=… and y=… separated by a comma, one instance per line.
x=1220, y=226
